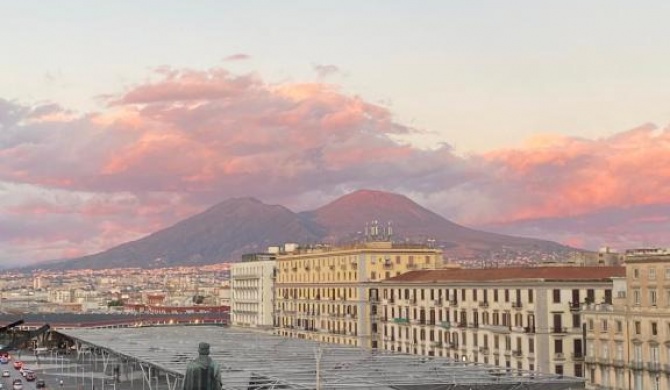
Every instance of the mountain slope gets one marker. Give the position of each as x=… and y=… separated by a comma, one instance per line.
x=236, y=226
x=222, y=232
x=347, y=215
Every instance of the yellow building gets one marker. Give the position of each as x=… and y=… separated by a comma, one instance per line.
x=628, y=343
x=331, y=294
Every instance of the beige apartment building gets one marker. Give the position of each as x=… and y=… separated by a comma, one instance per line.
x=331, y=294
x=628, y=341
x=252, y=291
x=518, y=318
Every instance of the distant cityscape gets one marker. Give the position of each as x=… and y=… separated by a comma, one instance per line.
x=602, y=316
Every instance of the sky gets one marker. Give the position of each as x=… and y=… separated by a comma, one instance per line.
x=121, y=118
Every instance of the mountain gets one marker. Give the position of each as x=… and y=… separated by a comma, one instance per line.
x=242, y=225
x=347, y=215
x=220, y=233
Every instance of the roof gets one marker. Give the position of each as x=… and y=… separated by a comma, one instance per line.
x=501, y=274
x=252, y=360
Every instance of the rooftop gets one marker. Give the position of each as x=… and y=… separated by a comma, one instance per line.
x=502, y=274
x=252, y=360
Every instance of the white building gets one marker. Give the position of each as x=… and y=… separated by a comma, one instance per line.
x=518, y=318
x=252, y=284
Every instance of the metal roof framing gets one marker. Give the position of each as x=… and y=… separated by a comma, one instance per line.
x=254, y=361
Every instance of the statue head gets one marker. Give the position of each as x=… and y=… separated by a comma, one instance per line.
x=203, y=348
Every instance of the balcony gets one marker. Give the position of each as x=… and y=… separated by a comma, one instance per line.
x=604, y=361
x=559, y=330
x=445, y=324
x=666, y=368
x=529, y=329
x=559, y=356
x=496, y=328
x=436, y=344
x=637, y=365
x=517, y=305
x=577, y=356
x=412, y=266
x=517, y=353
x=484, y=350
x=437, y=302
x=574, y=306
x=401, y=321
x=484, y=304
x=453, y=302
x=619, y=363
x=590, y=359
x=653, y=366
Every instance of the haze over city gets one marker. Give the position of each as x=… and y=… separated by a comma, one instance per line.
x=545, y=121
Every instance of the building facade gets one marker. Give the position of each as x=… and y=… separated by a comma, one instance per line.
x=331, y=294
x=517, y=318
x=628, y=341
x=253, y=291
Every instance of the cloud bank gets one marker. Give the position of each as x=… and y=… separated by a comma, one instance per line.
x=79, y=183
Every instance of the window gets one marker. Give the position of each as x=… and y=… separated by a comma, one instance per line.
x=603, y=325
x=557, y=296
x=636, y=297
x=530, y=296
x=619, y=350
x=654, y=329
x=619, y=326
x=559, y=369
x=531, y=345
x=636, y=273
x=652, y=297
x=667, y=273
x=638, y=327
x=576, y=321
x=558, y=346
x=495, y=295
x=590, y=323
x=653, y=351
x=506, y=295
x=652, y=273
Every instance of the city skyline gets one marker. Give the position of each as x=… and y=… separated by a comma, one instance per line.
x=118, y=121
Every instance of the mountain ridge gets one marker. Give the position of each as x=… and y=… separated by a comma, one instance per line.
x=225, y=231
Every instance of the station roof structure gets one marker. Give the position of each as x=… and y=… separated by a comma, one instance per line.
x=253, y=360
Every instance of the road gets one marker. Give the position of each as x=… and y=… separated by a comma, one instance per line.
x=14, y=374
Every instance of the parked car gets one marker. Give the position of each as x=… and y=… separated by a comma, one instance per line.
x=40, y=384
x=5, y=373
x=17, y=384
x=18, y=364
x=4, y=359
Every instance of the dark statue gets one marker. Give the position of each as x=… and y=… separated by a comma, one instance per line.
x=203, y=373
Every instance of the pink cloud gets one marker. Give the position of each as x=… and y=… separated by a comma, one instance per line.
x=569, y=176
x=165, y=149
x=237, y=57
